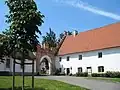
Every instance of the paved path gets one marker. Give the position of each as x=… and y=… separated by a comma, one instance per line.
x=90, y=84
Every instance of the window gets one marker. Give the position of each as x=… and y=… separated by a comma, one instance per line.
x=68, y=58
x=7, y=63
x=101, y=69
x=60, y=69
x=79, y=69
x=60, y=58
x=89, y=70
x=80, y=57
x=88, y=67
x=100, y=55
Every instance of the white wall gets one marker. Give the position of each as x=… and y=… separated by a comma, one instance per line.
x=2, y=67
x=28, y=68
x=110, y=60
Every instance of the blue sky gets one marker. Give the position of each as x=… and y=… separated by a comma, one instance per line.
x=72, y=15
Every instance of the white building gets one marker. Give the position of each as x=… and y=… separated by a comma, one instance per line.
x=93, y=51
x=7, y=66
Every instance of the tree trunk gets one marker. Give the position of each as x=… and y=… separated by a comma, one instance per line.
x=23, y=75
x=32, y=74
x=23, y=59
x=13, y=82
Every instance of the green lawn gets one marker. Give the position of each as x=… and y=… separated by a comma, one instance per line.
x=40, y=84
x=106, y=79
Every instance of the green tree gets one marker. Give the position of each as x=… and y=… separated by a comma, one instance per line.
x=50, y=39
x=69, y=33
x=3, y=51
x=24, y=19
x=62, y=35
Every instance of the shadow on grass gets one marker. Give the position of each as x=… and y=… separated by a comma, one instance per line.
x=19, y=88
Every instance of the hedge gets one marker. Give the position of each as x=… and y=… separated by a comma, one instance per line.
x=110, y=74
x=82, y=74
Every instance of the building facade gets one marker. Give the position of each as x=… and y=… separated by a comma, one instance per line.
x=43, y=64
x=98, y=61
x=92, y=51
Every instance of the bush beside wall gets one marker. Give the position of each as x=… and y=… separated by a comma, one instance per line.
x=82, y=74
x=110, y=74
x=4, y=73
x=98, y=75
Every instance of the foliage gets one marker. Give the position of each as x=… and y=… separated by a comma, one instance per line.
x=62, y=35
x=98, y=74
x=3, y=47
x=57, y=72
x=24, y=19
x=82, y=74
x=50, y=39
x=112, y=74
x=5, y=73
x=95, y=75
x=40, y=84
x=107, y=74
x=69, y=33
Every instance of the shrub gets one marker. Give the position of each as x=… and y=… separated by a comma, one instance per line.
x=107, y=74
x=4, y=73
x=70, y=74
x=102, y=75
x=112, y=74
x=84, y=74
x=57, y=72
x=95, y=75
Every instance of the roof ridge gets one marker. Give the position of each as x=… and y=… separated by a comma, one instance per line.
x=99, y=27
x=95, y=39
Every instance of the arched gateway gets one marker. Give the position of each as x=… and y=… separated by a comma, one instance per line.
x=45, y=63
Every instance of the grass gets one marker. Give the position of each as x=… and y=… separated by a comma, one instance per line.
x=105, y=79
x=40, y=84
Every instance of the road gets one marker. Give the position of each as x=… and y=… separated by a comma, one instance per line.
x=80, y=81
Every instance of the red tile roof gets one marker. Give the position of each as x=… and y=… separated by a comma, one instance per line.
x=96, y=39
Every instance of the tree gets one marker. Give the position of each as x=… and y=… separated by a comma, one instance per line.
x=3, y=40
x=24, y=19
x=62, y=35
x=69, y=33
x=50, y=39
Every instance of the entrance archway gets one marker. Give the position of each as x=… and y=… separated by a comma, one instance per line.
x=45, y=65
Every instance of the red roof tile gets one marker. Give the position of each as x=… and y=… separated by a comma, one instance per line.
x=99, y=38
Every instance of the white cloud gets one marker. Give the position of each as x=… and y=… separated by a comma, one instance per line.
x=82, y=5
